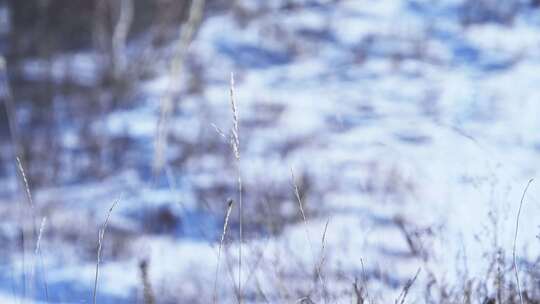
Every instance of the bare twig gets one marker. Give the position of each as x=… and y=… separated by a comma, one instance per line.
x=100, y=244
x=514, y=258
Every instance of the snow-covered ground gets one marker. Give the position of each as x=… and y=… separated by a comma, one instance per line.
x=399, y=121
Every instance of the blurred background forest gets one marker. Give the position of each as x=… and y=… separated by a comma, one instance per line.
x=68, y=67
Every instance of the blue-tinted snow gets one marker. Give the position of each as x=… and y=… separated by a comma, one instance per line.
x=392, y=107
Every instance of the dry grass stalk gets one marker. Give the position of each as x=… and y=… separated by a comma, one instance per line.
x=514, y=258
x=412, y=241
x=219, y=131
x=231, y=273
x=235, y=130
x=235, y=144
x=40, y=254
x=40, y=235
x=304, y=219
x=222, y=241
x=27, y=242
x=406, y=288
x=99, y=247
x=261, y=292
x=26, y=184
x=359, y=292
x=301, y=207
x=186, y=35
x=364, y=278
x=321, y=262
x=258, y=258
x=304, y=300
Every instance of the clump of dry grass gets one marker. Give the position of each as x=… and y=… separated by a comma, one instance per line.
x=501, y=283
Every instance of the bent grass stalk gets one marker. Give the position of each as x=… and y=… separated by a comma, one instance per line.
x=99, y=247
x=322, y=260
x=514, y=258
x=39, y=253
x=403, y=295
x=33, y=224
